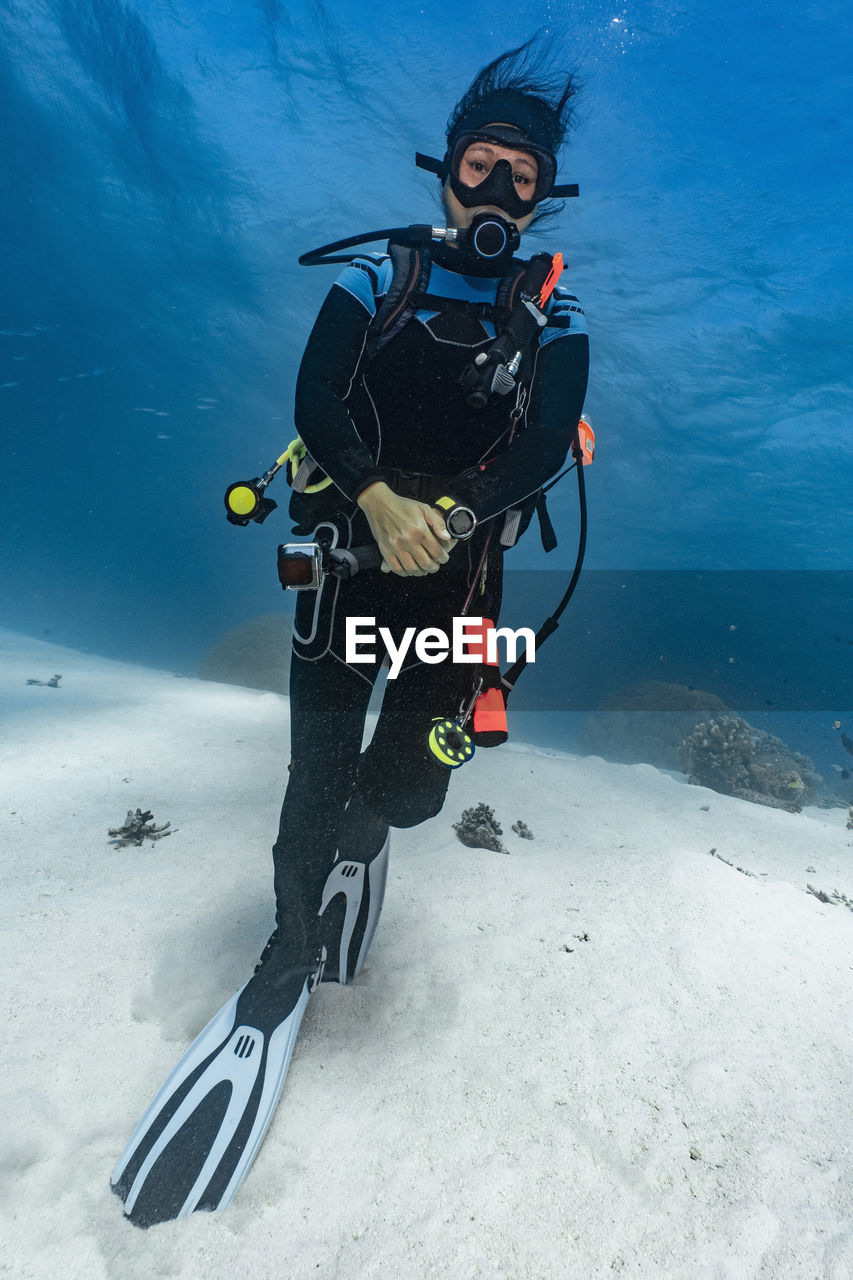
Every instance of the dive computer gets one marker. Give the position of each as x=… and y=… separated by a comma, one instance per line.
x=459, y=521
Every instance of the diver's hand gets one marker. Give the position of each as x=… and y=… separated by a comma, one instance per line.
x=410, y=534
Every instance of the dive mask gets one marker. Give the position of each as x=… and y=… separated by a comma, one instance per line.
x=498, y=187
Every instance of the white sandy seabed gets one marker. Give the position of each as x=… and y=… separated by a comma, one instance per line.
x=607, y=1052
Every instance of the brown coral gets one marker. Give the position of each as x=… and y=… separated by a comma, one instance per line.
x=730, y=756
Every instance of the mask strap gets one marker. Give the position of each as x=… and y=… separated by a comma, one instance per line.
x=431, y=165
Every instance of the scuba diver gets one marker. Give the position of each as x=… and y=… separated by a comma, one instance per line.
x=440, y=389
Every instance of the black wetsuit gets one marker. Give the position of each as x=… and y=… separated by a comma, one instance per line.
x=397, y=413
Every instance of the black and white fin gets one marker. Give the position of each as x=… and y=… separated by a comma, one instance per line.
x=197, y=1140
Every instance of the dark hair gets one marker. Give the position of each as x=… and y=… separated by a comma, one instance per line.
x=523, y=89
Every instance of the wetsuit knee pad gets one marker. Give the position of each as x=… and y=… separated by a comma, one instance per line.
x=407, y=803
x=414, y=811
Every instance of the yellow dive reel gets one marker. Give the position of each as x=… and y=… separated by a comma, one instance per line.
x=449, y=743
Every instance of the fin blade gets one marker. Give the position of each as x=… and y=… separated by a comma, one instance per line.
x=197, y=1140
x=209, y=1040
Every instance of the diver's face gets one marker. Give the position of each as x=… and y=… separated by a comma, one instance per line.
x=475, y=166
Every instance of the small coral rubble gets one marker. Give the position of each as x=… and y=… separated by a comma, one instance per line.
x=477, y=828
x=730, y=756
x=137, y=827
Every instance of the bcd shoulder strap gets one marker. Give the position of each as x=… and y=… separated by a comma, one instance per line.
x=410, y=274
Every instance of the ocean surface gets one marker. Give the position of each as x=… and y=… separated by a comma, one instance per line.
x=165, y=165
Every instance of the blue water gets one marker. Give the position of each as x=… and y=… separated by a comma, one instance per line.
x=163, y=167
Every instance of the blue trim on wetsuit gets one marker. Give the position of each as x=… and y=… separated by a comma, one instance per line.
x=367, y=278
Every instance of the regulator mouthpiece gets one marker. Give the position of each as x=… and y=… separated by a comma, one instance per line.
x=490, y=237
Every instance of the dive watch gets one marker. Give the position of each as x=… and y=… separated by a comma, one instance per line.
x=460, y=522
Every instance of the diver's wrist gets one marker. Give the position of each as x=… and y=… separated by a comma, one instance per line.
x=376, y=491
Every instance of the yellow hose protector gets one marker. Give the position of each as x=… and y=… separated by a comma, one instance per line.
x=295, y=453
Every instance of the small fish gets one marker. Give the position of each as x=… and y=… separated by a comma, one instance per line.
x=847, y=744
